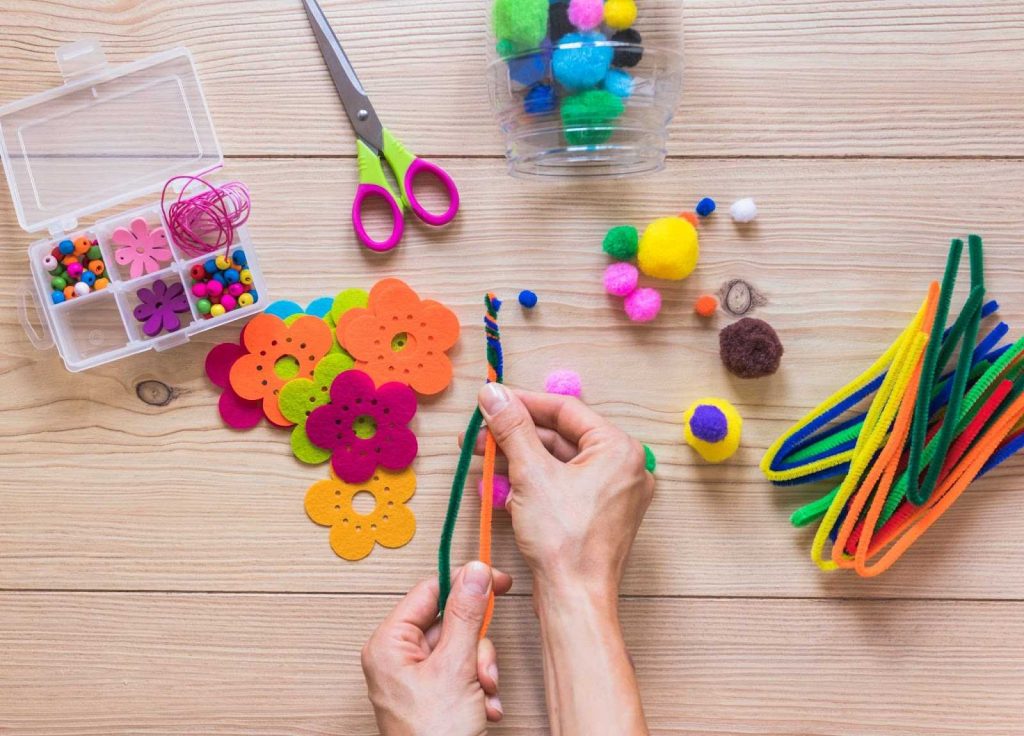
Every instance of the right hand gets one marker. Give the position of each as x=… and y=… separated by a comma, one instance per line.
x=579, y=485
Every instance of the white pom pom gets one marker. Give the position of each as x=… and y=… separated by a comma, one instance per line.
x=743, y=210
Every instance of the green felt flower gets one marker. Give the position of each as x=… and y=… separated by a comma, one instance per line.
x=301, y=396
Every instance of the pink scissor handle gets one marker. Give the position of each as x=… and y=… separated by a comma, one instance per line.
x=397, y=219
x=420, y=166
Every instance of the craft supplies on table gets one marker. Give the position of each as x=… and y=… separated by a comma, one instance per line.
x=585, y=87
x=374, y=142
x=111, y=135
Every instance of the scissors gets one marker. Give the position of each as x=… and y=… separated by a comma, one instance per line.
x=373, y=141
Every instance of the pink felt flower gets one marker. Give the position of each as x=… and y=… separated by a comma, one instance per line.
x=141, y=248
x=365, y=426
x=237, y=413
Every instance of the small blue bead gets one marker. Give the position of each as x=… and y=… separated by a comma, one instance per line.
x=211, y=266
x=255, y=295
x=66, y=247
x=239, y=258
x=527, y=298
x=705, y=207
x=89, y=278
x=58, y=297
x=220, y=277
x=231, y=276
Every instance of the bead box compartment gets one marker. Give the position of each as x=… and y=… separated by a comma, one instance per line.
x=110, y=135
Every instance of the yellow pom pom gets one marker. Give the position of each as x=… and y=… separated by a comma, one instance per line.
x=669, y=249
x=712, y=428
x=620, y=14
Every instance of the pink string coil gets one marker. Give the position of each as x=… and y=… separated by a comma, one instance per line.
x=205, y=222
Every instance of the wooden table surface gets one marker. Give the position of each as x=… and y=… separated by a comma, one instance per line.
x=157, y=571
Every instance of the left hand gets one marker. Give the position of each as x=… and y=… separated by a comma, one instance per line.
x=426, y=676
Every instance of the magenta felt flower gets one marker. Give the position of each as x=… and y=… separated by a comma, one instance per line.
x=365, y=426
x=238, y=413
x=159, y=307
x=143, y=249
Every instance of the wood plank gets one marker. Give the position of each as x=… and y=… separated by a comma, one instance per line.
x=256, y=664
x=100, y=490
x=825, y=77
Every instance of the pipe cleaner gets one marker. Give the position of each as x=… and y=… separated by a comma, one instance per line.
x=495, y=374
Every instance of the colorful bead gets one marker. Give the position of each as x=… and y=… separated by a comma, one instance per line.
x=214, y=288
x=244, y=300
x=101, y=283
x=94, y=253
x=82, y=245
x=58, y=297
x=222, y=263
x=82, y=288
x=197, y=272
x=228, y=302
x=58, y=283
x=245, y=276
x=255, y=295
x=204, y=306
x=69, y=292
x=200, y=289
x=68, y=260
x=75, y=270
x=66, y=247
x=217, y=310
x=210, y=266
x=98, y=268
x=236, y=290
x=239, y=258
x=89, y=278
x=219, y=278
x=230, y=276
x=50, y=263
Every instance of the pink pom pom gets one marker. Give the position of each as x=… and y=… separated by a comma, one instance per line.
x=586, y=15
x=501, y=490
x=567, y=383
x=643, y=305
x=620, y=279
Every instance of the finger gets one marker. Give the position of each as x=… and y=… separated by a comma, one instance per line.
x=553, y=442
x=419, y=607
x=569, y=417
x=511, y=425
x=487, y=666
x=502, y=584
x=464, y=614
x=493, y=707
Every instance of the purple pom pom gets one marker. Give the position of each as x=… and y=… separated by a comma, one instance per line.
x=709, y=423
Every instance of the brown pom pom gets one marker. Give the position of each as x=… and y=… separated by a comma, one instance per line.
x=750, y=348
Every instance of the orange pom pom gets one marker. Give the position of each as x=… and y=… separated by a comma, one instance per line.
x=690, y=217
x=706, y=306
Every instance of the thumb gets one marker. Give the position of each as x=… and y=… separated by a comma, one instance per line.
x=511, y=424
x=464, y=614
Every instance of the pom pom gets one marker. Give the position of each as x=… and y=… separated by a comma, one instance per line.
x=619, y=83
x=501, y=490
x=669, y=249
x=706, y=306
x=620, y=14
x=705, y=207
x=587, y=117
x=586, y=15
x=558, y=21
x=583, y=63
x=712, y=427
x=620, y=279
x=505, y=48
x=540, y=100
x=643, y=305
x=567, y=383
x=523, y=22
x=630, y=51
x=650, y=462
x=621, y=242
x=690, y=218
x=750, y=348
x=528, y=69
x=527, y=298
x=743, y=210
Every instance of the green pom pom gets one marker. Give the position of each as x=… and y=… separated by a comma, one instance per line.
x=595, y=107
x=621, y=242
x=650, y=462
x=523, y=22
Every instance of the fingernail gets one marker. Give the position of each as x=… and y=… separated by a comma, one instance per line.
x=492, y=672
x=494, y=398
x=495, y=703
x=477, y=578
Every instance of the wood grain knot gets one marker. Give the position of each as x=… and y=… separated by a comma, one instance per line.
x=155, y=393
x=738, y=297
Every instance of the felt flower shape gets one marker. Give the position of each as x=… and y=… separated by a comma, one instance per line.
x=301, y=396
x=275, y=354
x=353, y=535
x=237, y=413
x=365, y=427
x=143, y=249
x=399, y=337
x=159, y=307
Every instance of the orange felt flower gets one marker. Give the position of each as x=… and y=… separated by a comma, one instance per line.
x=399, y=337
x=275, y=354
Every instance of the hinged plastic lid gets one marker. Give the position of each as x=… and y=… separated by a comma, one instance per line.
x=108, y=135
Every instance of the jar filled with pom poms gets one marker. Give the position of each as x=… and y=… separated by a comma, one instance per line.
x=585, y=87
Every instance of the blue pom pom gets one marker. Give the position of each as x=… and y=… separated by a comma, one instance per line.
x=528, y=69
x=619, y=83
x=584, y=64
x=540, y=100
x=705, y=207
x=527, y=298
x=709, y=423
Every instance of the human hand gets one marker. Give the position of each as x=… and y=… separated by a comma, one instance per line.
x=579, y=485
x=426, y=676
